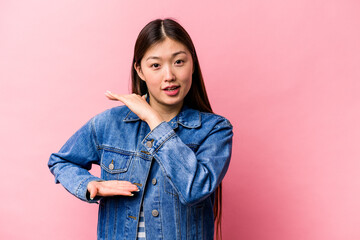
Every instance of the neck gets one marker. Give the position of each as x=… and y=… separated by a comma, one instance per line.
x=168, y=116
x=167, y=112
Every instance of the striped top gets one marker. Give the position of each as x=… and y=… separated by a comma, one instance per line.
x=141, y=228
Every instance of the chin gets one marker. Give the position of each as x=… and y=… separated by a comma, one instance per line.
x=173, y=102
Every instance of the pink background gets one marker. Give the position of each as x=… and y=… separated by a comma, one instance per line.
x=286, y=73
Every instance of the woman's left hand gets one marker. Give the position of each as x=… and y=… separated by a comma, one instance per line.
x=138, y=105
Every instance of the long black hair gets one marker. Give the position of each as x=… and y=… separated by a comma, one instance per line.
x=157, y=31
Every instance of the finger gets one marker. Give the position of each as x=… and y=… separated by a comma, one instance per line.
x=127, y=99
x=115, y=187
x=106, y=192
x=127, y=186
x=116, y=97
x=92, y=190
x=110, y=96
x=122, y=98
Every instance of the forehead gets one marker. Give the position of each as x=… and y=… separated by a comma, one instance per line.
x=165, y=48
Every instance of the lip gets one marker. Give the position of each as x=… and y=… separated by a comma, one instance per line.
x=171, y=86
x=172, y=92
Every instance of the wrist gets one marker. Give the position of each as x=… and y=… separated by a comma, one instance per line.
x=154, y=120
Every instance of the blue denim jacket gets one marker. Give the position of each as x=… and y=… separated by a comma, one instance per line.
x=177, y=167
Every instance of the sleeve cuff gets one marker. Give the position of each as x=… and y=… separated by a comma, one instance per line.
x=157, y=137
x=82, y=191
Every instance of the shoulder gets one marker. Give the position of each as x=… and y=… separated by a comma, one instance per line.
x=193, y=118
x=114, y=114
x=213, y=125
x=214, y=119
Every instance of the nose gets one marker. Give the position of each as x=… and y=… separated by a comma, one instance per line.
x=168, y=74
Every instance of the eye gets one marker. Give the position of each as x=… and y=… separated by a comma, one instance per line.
x=179, y=62
x=155, y=65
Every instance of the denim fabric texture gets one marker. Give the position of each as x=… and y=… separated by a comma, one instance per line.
x=177, y=167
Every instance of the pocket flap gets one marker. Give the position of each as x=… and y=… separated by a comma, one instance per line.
x=114, y=162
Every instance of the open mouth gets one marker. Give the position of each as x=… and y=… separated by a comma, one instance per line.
x=171, y=88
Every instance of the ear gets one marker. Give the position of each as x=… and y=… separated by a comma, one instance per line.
x=139, y=72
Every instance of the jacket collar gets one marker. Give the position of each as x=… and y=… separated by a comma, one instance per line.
x=188, y=117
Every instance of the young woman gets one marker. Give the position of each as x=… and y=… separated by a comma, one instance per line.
x=163, y=154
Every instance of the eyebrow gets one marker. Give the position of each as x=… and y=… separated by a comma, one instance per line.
x=173, y=55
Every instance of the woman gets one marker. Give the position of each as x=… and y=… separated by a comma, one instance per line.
x=163, y=154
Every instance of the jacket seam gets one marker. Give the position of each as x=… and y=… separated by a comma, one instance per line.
x=77, y=189
x=165, y=140
x=92, y=125
x=116, y=150
x=177, y=190
x=124, y=152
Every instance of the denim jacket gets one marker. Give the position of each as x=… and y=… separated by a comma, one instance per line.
x=177, y=167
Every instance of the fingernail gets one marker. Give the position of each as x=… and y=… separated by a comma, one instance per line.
x=108, y=91
x=131, y=194
x=138, y=190
x=91, y=198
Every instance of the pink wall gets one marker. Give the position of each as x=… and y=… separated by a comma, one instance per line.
x=286, y=73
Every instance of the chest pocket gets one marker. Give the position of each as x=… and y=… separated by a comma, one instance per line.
x=114, y=165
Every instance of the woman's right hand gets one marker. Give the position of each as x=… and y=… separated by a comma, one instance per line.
x=111, y=188
x=139, y=106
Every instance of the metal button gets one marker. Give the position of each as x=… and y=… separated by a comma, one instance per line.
x=155, y=213
x=153, y=181
x=149, y=144
x=111, y=165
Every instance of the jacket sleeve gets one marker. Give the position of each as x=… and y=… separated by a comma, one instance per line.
x=193, y=176
x=71, y=164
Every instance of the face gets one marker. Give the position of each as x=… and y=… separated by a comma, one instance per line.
x=167, y=69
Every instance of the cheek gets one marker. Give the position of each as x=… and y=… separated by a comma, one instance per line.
x=185, y=76
x=150, y=77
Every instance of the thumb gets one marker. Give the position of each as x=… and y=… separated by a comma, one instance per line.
x=92, y=190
